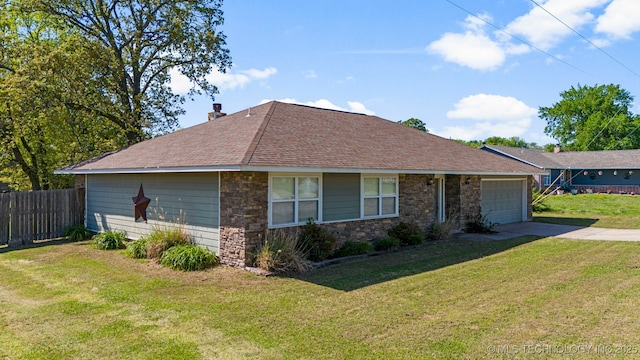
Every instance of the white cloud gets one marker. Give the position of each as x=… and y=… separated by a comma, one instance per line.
x=544, y=31
x=354, y=106
x=477, y=49
x=310, y=74
x=224, y=81
x=359, y=107
x=472, y=49
x=228, y=81
x=620, y=19
x=180, y=84
x=492, y=115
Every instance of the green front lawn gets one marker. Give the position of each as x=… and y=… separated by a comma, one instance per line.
x=599, y=210
x=455, y=299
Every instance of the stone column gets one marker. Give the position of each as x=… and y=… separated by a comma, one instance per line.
x=243, y=215
x=462, y=196
x=417, y=200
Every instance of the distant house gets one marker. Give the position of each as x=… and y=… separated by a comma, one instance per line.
x=277, y=165
x=614, y=171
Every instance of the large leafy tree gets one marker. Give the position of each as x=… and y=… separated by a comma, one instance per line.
x=513, y=141
x=135, y=45
x=82, y=77
x=593, y=118
x=414, y=123
x=42, y=69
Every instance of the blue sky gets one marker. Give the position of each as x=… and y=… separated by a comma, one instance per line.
x=426, y=59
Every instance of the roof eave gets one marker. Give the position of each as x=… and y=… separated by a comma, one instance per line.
x=287, y=169
x=513, y=157
x=156, y=170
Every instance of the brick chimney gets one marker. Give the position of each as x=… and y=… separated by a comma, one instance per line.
x=217, y=112
x=557, y=149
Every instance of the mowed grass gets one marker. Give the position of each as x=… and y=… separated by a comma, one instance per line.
x=599, y=210
x=453, y=299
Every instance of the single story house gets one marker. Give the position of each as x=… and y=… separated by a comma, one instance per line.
x=613, y=171
x=277, y=165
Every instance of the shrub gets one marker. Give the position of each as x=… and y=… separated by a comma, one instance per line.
x=441, y=230
x=282, y=252
x=188, y=257
x=537, y=201
x=319, y=244
x=480, y=224
x=540, y=206
x=76, y=233
x=161, y=239
x=137, y=249
x=386, y=243
x=351, y=248
x=110, y=240
x=408, y=233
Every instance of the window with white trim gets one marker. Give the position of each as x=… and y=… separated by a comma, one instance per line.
x=380, y=196
x=546, y=180
x=294, y=199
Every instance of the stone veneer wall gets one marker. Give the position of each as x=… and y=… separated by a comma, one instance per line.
x=243, y=215
x=530, y=184
x=462, y=199
x=244, y=211
x=417, y=200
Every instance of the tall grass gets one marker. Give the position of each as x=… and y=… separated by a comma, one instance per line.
x=162, y=238
x=282, y=252
x=188, y=258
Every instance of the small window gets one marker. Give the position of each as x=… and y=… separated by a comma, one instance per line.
x=294, y=199
x=380, y=196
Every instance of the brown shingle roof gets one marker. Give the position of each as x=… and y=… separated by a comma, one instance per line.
x=280, y=135
x=605, y=159
x=538, y=158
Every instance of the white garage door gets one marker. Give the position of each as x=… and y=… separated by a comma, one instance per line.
x=503, y=200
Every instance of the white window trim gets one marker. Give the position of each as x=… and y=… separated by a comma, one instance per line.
x=379, y=196
x=297, y=222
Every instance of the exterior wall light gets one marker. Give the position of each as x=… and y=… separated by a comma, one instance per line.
x=430, y=182
x=599, y=172
x=468, y=181
x=586, y=173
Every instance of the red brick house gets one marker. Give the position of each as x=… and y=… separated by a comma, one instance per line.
x=277, y=165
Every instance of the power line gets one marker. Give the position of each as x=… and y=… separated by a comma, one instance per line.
x=587, y=40
x=604, y=52
x=517, y=38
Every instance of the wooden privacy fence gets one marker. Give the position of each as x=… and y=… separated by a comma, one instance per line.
x=37, y=215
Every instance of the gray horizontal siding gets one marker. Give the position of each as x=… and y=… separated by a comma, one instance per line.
x=340, y=197
x=190, y=199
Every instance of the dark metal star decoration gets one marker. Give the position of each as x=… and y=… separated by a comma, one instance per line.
x=140, y=205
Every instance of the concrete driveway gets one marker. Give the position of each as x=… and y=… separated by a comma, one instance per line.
x=509, y=231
